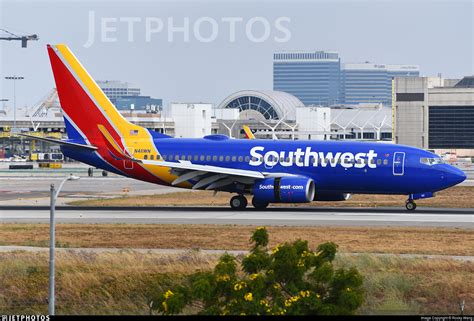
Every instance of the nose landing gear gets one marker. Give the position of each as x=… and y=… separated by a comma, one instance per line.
x=410, y=205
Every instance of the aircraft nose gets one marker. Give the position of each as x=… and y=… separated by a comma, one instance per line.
x=454, y=176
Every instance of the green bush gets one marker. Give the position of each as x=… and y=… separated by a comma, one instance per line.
x=290, y=279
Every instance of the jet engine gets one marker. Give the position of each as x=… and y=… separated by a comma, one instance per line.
x=294, y=189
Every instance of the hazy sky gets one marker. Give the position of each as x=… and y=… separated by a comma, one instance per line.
x=437, y=35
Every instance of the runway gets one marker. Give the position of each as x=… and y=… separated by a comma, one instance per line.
x=294, y=216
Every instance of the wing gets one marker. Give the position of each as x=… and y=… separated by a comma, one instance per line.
x=201, y=176
x=207, y=176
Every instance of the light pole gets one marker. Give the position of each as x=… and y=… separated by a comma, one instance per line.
x=52, y=241
x=14, y=78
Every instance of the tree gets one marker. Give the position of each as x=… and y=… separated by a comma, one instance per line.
x=290, y=279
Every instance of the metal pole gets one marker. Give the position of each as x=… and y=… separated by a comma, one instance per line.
x=14, y=103
x=52, y=244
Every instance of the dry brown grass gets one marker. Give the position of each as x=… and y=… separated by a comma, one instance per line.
x=92, y=283
x=397, y=285
x=449, y=241
x=458, y=196
x=125, y=282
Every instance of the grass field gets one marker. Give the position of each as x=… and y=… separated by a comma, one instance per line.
x=126, y=282
x=458, y=196
x=449, y=241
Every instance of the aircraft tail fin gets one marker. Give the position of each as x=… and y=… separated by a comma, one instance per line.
x=248, y=132
x=85, y=106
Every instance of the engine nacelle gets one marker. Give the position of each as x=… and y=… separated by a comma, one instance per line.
x=297, y=189
x=331, y=197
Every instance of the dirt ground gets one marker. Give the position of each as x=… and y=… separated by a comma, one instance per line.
x=448, y=241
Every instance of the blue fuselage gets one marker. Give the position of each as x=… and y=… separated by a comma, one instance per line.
x=396, y=169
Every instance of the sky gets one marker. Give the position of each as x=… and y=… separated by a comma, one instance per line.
x=203, y=51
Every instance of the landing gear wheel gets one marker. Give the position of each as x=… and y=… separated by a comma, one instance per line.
x=410, y=205
x=259, y=205
x=238, y=202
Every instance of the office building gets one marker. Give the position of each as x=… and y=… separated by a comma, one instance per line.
x=313, y=77
x=318, y=78
x=115, y=89
x=371, y=83
x=126, y=96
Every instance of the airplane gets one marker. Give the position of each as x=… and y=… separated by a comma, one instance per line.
x=271, y=171
x=248, y=133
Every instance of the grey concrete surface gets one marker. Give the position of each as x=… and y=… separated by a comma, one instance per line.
x=301, y=216
x=35, y=190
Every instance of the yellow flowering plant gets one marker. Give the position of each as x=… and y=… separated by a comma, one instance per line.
x=290, y=280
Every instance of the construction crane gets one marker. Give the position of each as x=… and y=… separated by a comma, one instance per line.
x=23, y=39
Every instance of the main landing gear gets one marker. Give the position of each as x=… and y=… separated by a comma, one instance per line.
x=238, y=202
x=410, y=205
x=259, y=205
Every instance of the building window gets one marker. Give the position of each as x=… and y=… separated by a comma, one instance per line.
x=451, y=127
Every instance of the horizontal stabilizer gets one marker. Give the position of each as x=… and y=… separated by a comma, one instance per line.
x=60, y=142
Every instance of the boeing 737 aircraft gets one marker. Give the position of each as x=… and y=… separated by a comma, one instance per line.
x=272, y=171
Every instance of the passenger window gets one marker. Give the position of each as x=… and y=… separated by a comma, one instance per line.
x=158, y=157
x=164, y=157
x=196, y=157
x=152, y=157
x=234, y=158
x=241, y=158
x=176, y=157
x=227, y=158
x=247, y=159
x=145, y=157
x=208, y=157
x=214, y=158
x=201, y=157
x=221, y=158
x=190, y=157
x=379, y=161
x=385, y=161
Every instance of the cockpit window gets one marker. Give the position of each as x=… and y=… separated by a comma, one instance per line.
x=431, y=160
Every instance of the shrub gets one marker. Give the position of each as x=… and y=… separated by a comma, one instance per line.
x=290, y=279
